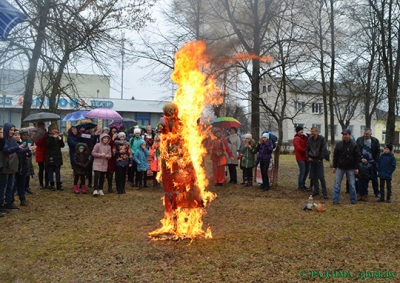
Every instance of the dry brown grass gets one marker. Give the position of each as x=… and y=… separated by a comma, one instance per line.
x=257, y=237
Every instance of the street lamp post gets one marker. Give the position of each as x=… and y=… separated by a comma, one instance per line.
x=4, y=94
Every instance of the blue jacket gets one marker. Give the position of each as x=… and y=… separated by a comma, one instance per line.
x=72, y=141
x=140, y=158
x=386, y=166
x=8, y=156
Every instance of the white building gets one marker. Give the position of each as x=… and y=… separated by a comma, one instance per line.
x=304, y=107
x=89, y=91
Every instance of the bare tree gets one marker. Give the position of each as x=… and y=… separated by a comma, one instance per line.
x=386, y=13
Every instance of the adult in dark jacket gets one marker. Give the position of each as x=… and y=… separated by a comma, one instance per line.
x=54, y=159
x=370, y=145
x=315, y=151
x=9, y=162
x=72, y=141
x=40, y=155
x=23, y=169
x=346, y=158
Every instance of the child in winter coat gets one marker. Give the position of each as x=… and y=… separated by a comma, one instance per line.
x=386, y=167
x=54, y=158
x=248, y=152
x=101, y=153
x=81, y=162
x=140, y=158
x=155, y=165
x=123, y=160
x=363, y=178
x=264, y=148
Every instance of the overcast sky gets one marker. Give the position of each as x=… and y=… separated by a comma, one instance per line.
x=134, y=85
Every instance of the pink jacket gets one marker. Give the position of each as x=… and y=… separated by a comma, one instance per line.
x=100, y=162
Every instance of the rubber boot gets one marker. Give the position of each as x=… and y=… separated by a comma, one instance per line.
x=76, y=190
x=382, y=192
x=59, y=186
x=145, y=183
x=389, y=193
x=83, y=187
x=52, y=188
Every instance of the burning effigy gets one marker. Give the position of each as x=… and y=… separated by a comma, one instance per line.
x=182, y=149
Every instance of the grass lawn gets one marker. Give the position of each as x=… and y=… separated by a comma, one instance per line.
x=257, y=237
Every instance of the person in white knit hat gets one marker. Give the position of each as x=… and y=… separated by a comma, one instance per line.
x=134, y=143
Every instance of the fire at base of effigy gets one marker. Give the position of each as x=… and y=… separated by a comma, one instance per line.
x=182, y=149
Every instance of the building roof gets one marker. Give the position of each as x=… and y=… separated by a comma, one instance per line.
x=383, y=115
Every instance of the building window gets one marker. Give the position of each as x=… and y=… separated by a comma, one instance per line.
x=318, y=126
x=299, y=106
x=297, y=125
x=383, y=136
x=269, y=88
x=317, y=108
x=143, y=120
x=362, y=127
x=264, y=89
x=334, y=129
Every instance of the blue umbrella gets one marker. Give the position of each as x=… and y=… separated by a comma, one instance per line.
x=75, y=116
x=9, y=18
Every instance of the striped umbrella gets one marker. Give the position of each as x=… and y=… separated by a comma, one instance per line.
x=9, y=18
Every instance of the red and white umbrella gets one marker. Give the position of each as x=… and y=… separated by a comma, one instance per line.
x=104, y=114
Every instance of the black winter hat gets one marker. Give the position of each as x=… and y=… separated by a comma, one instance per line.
x=389, y=146
x=299, y=128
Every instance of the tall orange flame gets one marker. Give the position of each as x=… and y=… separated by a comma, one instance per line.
x=182, y=149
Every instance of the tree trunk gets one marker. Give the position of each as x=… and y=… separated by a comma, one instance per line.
x=33, y=62
x=255, y=100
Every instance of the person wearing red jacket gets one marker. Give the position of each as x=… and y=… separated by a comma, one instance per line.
x=41, y=156
x=300, y=146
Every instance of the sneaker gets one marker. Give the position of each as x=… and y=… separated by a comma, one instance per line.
x=29, y=191
x=336, y=202
x=41, y=187
x=378, y=195
x=11, y=206
x=95, y=192
x=353, y=202
x=326, y=197
x=101, y=192
x=314, y=194
x=23, y=203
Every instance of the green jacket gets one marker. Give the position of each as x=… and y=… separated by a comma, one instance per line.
x=248, y=159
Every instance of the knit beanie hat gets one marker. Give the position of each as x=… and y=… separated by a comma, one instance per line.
x=137, y=130
x=366, y=156
x=121, y=134
x=265, y=135
x=299, y=128
x=389, y=146
x=248, y=136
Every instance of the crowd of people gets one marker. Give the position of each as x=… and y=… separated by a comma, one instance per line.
x=102, y=151
x=360, y=160
x=110, y=150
